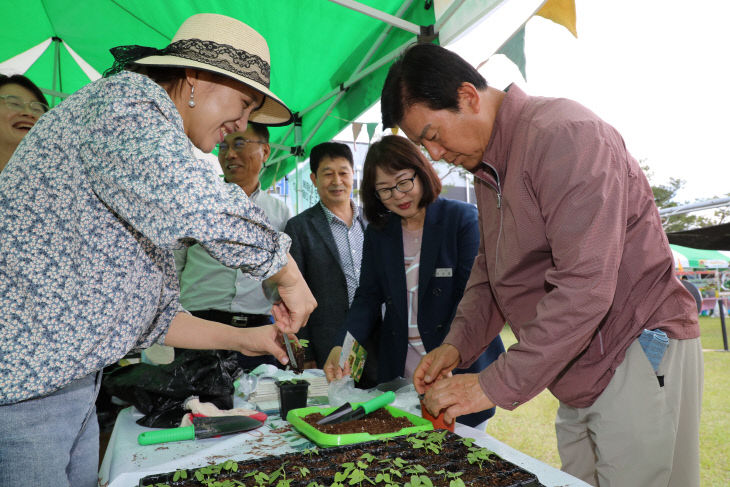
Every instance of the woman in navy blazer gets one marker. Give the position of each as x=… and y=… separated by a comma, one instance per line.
x=400, y=196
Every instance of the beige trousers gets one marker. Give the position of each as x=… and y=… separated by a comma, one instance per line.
x=638, y=434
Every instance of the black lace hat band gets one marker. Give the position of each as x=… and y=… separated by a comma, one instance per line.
x=221, y=56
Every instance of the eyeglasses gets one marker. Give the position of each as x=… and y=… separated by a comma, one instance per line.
x=403, y=186
x=238, y=144
x=17, y=104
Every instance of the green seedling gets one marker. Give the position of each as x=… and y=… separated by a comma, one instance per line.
x=478, y=455
x=467, y=442
x=303, y=471
x=311, y=451
x=419, y=481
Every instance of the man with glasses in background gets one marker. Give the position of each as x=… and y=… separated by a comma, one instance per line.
x=208, y=289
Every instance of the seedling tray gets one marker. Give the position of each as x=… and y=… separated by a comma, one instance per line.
x=400, y=458
x=324, y=440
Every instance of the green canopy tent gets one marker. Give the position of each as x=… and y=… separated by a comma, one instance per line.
x=329, y=57
x=686, y=258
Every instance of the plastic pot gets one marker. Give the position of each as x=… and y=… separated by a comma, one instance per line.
x=438, y=421
x=292, y=395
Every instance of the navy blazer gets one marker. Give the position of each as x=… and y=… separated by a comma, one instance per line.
x=449, y=245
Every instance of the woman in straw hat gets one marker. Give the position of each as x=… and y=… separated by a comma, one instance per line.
x=92, y=204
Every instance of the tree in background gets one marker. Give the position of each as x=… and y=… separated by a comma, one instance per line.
x=723, y=214
x=664, y=195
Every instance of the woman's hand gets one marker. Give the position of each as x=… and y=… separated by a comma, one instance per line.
x=262, y=340
x=187, y=331
x=297, y=302
x=332, y=369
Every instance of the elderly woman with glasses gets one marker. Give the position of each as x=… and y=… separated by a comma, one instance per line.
x=21, y=105
x=417, y=256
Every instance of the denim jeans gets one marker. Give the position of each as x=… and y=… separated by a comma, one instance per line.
x=53, y=440
x=654, y=343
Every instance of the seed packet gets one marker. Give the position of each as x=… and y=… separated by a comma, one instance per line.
x=353, y=354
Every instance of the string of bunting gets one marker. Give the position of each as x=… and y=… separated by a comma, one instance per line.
x=357, y=128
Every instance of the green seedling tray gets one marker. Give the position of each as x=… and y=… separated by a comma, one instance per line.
x=324, y=440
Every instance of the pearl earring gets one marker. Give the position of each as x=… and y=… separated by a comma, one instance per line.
x=191, y=102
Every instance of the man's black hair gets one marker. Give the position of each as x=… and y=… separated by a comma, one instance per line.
x=331, y=150
x=260, y=130
x=428, y=74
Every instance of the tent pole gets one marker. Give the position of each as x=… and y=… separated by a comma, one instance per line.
x=299, y=158
x=58, y=94
x=339, y=93
x=323, y=117
x=271, y=162
x=355, y=78
x=455, y=5
x=376, y=45
x=279, y=147
x=56, y=65
x=377, y=14
x=282, y=140
x=381, y=38
x=702, y=205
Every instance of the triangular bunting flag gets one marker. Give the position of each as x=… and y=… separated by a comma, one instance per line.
x=371, y=130
x=562, y=12
x=356, y=128
x=514, y=49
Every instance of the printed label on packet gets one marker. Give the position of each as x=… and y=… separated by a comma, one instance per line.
x=354, y=354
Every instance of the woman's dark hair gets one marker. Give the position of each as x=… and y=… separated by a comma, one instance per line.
x=159, y=74
x=19, y=79
x=393, y=153
x=428, y=74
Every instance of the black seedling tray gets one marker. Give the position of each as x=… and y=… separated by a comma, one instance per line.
x=440, y=461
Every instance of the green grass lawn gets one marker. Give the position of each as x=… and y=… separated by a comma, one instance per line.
x=530, y=428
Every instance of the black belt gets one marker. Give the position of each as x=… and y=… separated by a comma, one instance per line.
x=239, y=320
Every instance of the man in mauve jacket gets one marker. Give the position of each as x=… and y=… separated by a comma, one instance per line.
x=573, y=256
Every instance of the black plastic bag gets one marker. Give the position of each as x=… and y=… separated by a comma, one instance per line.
x=159, y=391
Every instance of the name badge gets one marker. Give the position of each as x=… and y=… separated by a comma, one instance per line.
x=444, y=272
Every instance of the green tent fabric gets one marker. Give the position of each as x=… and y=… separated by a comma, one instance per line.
x=317, y=49
x=687, y=257
x=315, y=46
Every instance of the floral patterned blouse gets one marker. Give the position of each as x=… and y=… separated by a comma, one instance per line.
x=92, y=204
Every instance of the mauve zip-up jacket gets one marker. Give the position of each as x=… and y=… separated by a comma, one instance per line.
x=572, y=255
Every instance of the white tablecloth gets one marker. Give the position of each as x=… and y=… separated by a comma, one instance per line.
x=125, y=462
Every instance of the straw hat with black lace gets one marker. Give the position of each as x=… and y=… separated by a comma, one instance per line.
x=218, y=44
